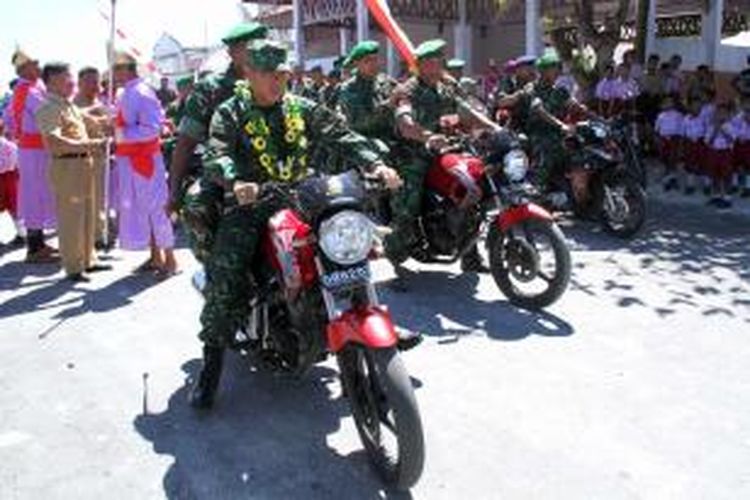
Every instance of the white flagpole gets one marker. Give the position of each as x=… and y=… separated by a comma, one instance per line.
x=110, y=104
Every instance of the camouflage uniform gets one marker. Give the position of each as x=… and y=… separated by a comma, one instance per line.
x=203, y=200
x=365, y=104
x=429, y=104
x=231, y=157
x=174, y=112
x=546, y=139
x=312, y=91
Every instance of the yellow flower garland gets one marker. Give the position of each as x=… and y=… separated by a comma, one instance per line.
x=259, y=131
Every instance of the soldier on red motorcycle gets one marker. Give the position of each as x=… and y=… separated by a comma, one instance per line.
x=262, y=134
x=421, y=103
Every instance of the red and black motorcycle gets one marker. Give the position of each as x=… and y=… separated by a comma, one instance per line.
x=317, y=298
x=478, y=187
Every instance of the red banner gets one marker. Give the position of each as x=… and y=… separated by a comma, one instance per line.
x=382, y=14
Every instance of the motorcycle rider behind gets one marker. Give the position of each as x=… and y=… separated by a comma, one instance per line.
x=200, y=207
x=421, y=102
x=262, y=134
x=546, y=106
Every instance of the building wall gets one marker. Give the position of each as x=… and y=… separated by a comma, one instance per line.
x=502, y=42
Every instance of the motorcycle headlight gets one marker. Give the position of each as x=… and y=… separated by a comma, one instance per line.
x=347, y=237
x=599, y=132
x=515, y=166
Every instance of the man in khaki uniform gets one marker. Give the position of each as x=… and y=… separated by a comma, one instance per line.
x=87, y=100
x=71, y=172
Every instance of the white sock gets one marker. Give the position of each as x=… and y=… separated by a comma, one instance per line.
x=689, y=180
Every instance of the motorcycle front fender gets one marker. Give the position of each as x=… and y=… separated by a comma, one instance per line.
x=368, y=326
x=520, y=213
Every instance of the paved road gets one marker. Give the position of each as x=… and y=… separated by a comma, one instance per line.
x=635, y=385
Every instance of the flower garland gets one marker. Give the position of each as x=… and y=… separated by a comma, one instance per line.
x=295, y=140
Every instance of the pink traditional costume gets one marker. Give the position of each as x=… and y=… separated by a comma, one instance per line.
x=36, y=202
x=141, y=175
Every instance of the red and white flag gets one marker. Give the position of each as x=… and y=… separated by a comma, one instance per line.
x=381, y=12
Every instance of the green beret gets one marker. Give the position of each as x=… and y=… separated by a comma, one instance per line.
x=245, y=32
x=550, y=59
x=361, y=50
x=455, y=64
x=185, y=81
x=267, y=55
x=430, y=49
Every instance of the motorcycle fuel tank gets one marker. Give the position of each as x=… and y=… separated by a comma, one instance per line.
x=289, y=247
x=455, y=176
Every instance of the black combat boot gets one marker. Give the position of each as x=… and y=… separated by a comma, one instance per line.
x=471, y=262
x=204, y=391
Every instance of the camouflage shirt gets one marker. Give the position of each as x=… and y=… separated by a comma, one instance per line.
x=208, y=93
x=365, y=104
x=176, y=111
x=555, y=101
x=331, y=94
x=429, y=103
x=232, y=156
x=312, y=91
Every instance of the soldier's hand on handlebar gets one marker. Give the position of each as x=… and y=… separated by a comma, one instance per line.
x=568, y=129
x=436, y=142
x=389, y=176
x=245, y=192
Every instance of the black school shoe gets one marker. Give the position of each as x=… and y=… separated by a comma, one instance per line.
x=724, y=204
x=670, y=185
x=745, y=193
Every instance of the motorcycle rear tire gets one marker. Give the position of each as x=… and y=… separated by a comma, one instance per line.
x=387, y=375
x=501, y=273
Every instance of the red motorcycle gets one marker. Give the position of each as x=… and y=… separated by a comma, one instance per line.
x=478, y=187
x=316, y=298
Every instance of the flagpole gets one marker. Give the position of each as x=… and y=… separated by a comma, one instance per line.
x=110, y=104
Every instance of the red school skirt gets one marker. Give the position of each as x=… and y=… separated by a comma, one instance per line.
x=669, y=150
x=694, y=156
x=742, y=156
x=9, y=192
x=720, y=163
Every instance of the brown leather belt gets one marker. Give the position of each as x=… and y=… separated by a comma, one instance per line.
x=71, y=156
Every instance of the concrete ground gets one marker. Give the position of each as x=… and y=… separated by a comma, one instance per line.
x=636, y=384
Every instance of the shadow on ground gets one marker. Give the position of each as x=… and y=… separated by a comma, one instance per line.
x=439, y=298
x=80, y=300
x=267, y=438
x=701, y=260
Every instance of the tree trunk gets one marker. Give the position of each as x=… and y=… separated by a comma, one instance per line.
x=604, y=37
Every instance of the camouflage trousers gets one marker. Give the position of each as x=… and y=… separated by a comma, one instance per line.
x=229, y=285
x=201, y=212
x=554, y=159
x=406, y=205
